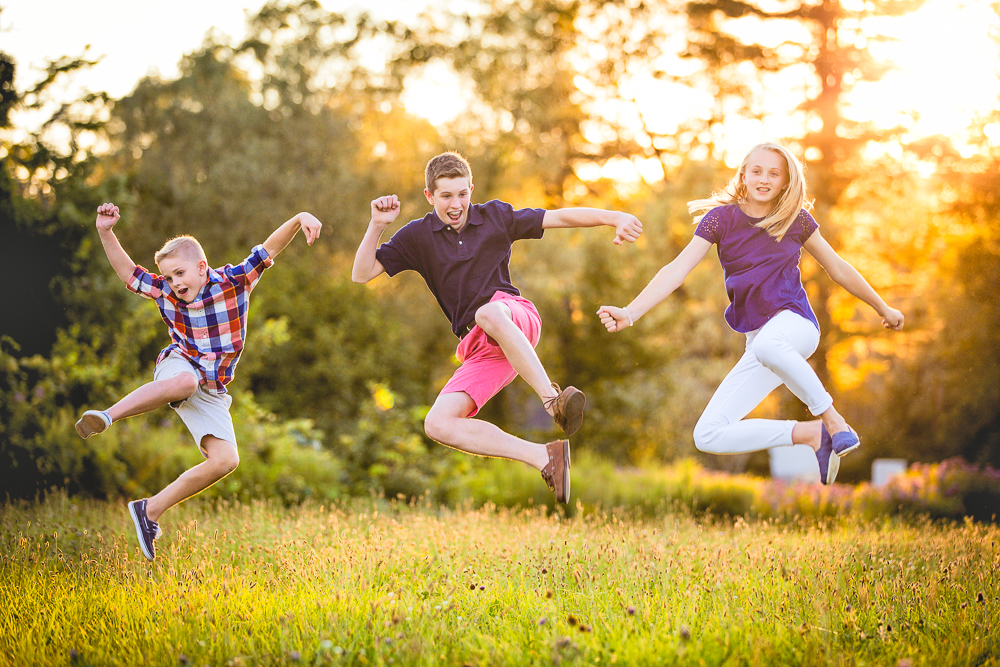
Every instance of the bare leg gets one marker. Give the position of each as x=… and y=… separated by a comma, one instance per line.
x=154, y=395
x=809, y=433
x=496, y=320
x=448, y=423
x=222, y=460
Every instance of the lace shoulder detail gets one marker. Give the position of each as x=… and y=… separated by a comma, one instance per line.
x=709, y=225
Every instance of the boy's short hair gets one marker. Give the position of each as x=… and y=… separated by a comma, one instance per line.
x=185, y=247
x=446, y=165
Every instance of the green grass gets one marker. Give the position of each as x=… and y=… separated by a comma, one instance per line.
x=380, y=583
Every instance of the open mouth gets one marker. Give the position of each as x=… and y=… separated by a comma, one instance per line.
x=455, y=216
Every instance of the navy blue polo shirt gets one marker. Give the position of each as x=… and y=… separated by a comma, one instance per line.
x=463, y=270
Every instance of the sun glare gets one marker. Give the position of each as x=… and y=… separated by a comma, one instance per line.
x=947, y=69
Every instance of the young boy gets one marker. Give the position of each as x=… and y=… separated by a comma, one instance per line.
x=462, y=251
x=206, y=312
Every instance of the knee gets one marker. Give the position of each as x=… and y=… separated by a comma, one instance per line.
x=225, y=461
x=706, y=436
x=490, y=316
x=769, y=351
x=436, y=426
x=184, y=385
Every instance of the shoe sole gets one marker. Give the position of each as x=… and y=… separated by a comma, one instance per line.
x=832, y=468
x=138, y=531
x=573, y=409
x=847, y=451
x=90, y=424
x=565, y=498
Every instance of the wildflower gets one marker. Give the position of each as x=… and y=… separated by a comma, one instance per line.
x=630, y=611
x=183, y=659
x=585, y=628
x=543, y=621
x=685, y=633
x=294, y=656
x=980, y=597
x=571, y=620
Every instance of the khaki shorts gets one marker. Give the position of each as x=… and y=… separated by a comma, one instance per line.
x=203, y=413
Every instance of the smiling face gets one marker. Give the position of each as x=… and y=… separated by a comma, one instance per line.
x=765, y=176
x=451, y=199
x=185, y=276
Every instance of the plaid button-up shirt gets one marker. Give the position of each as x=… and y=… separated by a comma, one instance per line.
x=209, y=331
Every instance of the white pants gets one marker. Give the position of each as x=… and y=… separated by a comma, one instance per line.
x=775, y=354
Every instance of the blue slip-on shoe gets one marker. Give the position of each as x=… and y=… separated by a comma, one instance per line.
x=93, y=422
x=145, y=530
x=829, y=462
x=845, y=442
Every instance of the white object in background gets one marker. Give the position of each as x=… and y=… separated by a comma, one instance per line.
x=794, y=464
x=885, y=469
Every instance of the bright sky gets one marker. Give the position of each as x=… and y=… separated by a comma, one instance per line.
x=948, y=62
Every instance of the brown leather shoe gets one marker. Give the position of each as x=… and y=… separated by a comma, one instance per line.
x=556, y=471
x=567, y=408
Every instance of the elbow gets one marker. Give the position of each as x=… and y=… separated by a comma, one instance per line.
x=359, y=279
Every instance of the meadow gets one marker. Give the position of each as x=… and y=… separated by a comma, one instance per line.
x=377, y=582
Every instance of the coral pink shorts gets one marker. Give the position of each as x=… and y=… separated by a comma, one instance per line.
x=485, y=370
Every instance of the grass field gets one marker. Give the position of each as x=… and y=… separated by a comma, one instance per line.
x=380, y=583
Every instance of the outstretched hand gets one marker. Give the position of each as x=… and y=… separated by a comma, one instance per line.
x=384, y=210
x=892, y=319
x=107, y=216
x=627, y=228
x=614, y=318
x=311, y=227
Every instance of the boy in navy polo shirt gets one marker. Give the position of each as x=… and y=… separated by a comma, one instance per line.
x=462, y=251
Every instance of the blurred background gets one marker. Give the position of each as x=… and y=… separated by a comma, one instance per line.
x=224, y=119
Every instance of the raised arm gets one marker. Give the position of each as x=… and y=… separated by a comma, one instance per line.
x=366, y=267
x=848, y=277
x=627, y=226
x=107, y=217
x=666, y=280
x=283, y=235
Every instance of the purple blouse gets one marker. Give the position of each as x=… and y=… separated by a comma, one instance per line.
x=762, y=274
x=463, y=270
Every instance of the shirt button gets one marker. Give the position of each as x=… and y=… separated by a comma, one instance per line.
x=459, y=243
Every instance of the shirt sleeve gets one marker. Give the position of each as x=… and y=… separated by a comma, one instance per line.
x=524, y=223
x=708, y=226
x=250, y=270
x=806, y=225
x=145, y=284
x=397, y=254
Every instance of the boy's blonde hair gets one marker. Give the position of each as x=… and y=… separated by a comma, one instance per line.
x=786, y=208
x=446, y=165
x=185, y=247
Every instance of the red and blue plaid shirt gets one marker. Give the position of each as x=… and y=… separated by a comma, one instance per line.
x=209, y=331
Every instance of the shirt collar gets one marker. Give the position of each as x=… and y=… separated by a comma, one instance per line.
x=475, y=218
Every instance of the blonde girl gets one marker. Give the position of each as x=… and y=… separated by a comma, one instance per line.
x=760, y=223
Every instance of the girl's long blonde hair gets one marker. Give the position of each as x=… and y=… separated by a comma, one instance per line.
x=785, y=209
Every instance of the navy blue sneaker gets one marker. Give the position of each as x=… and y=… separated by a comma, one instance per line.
x=829, y=462
x=845, y=442
x=145, y=530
